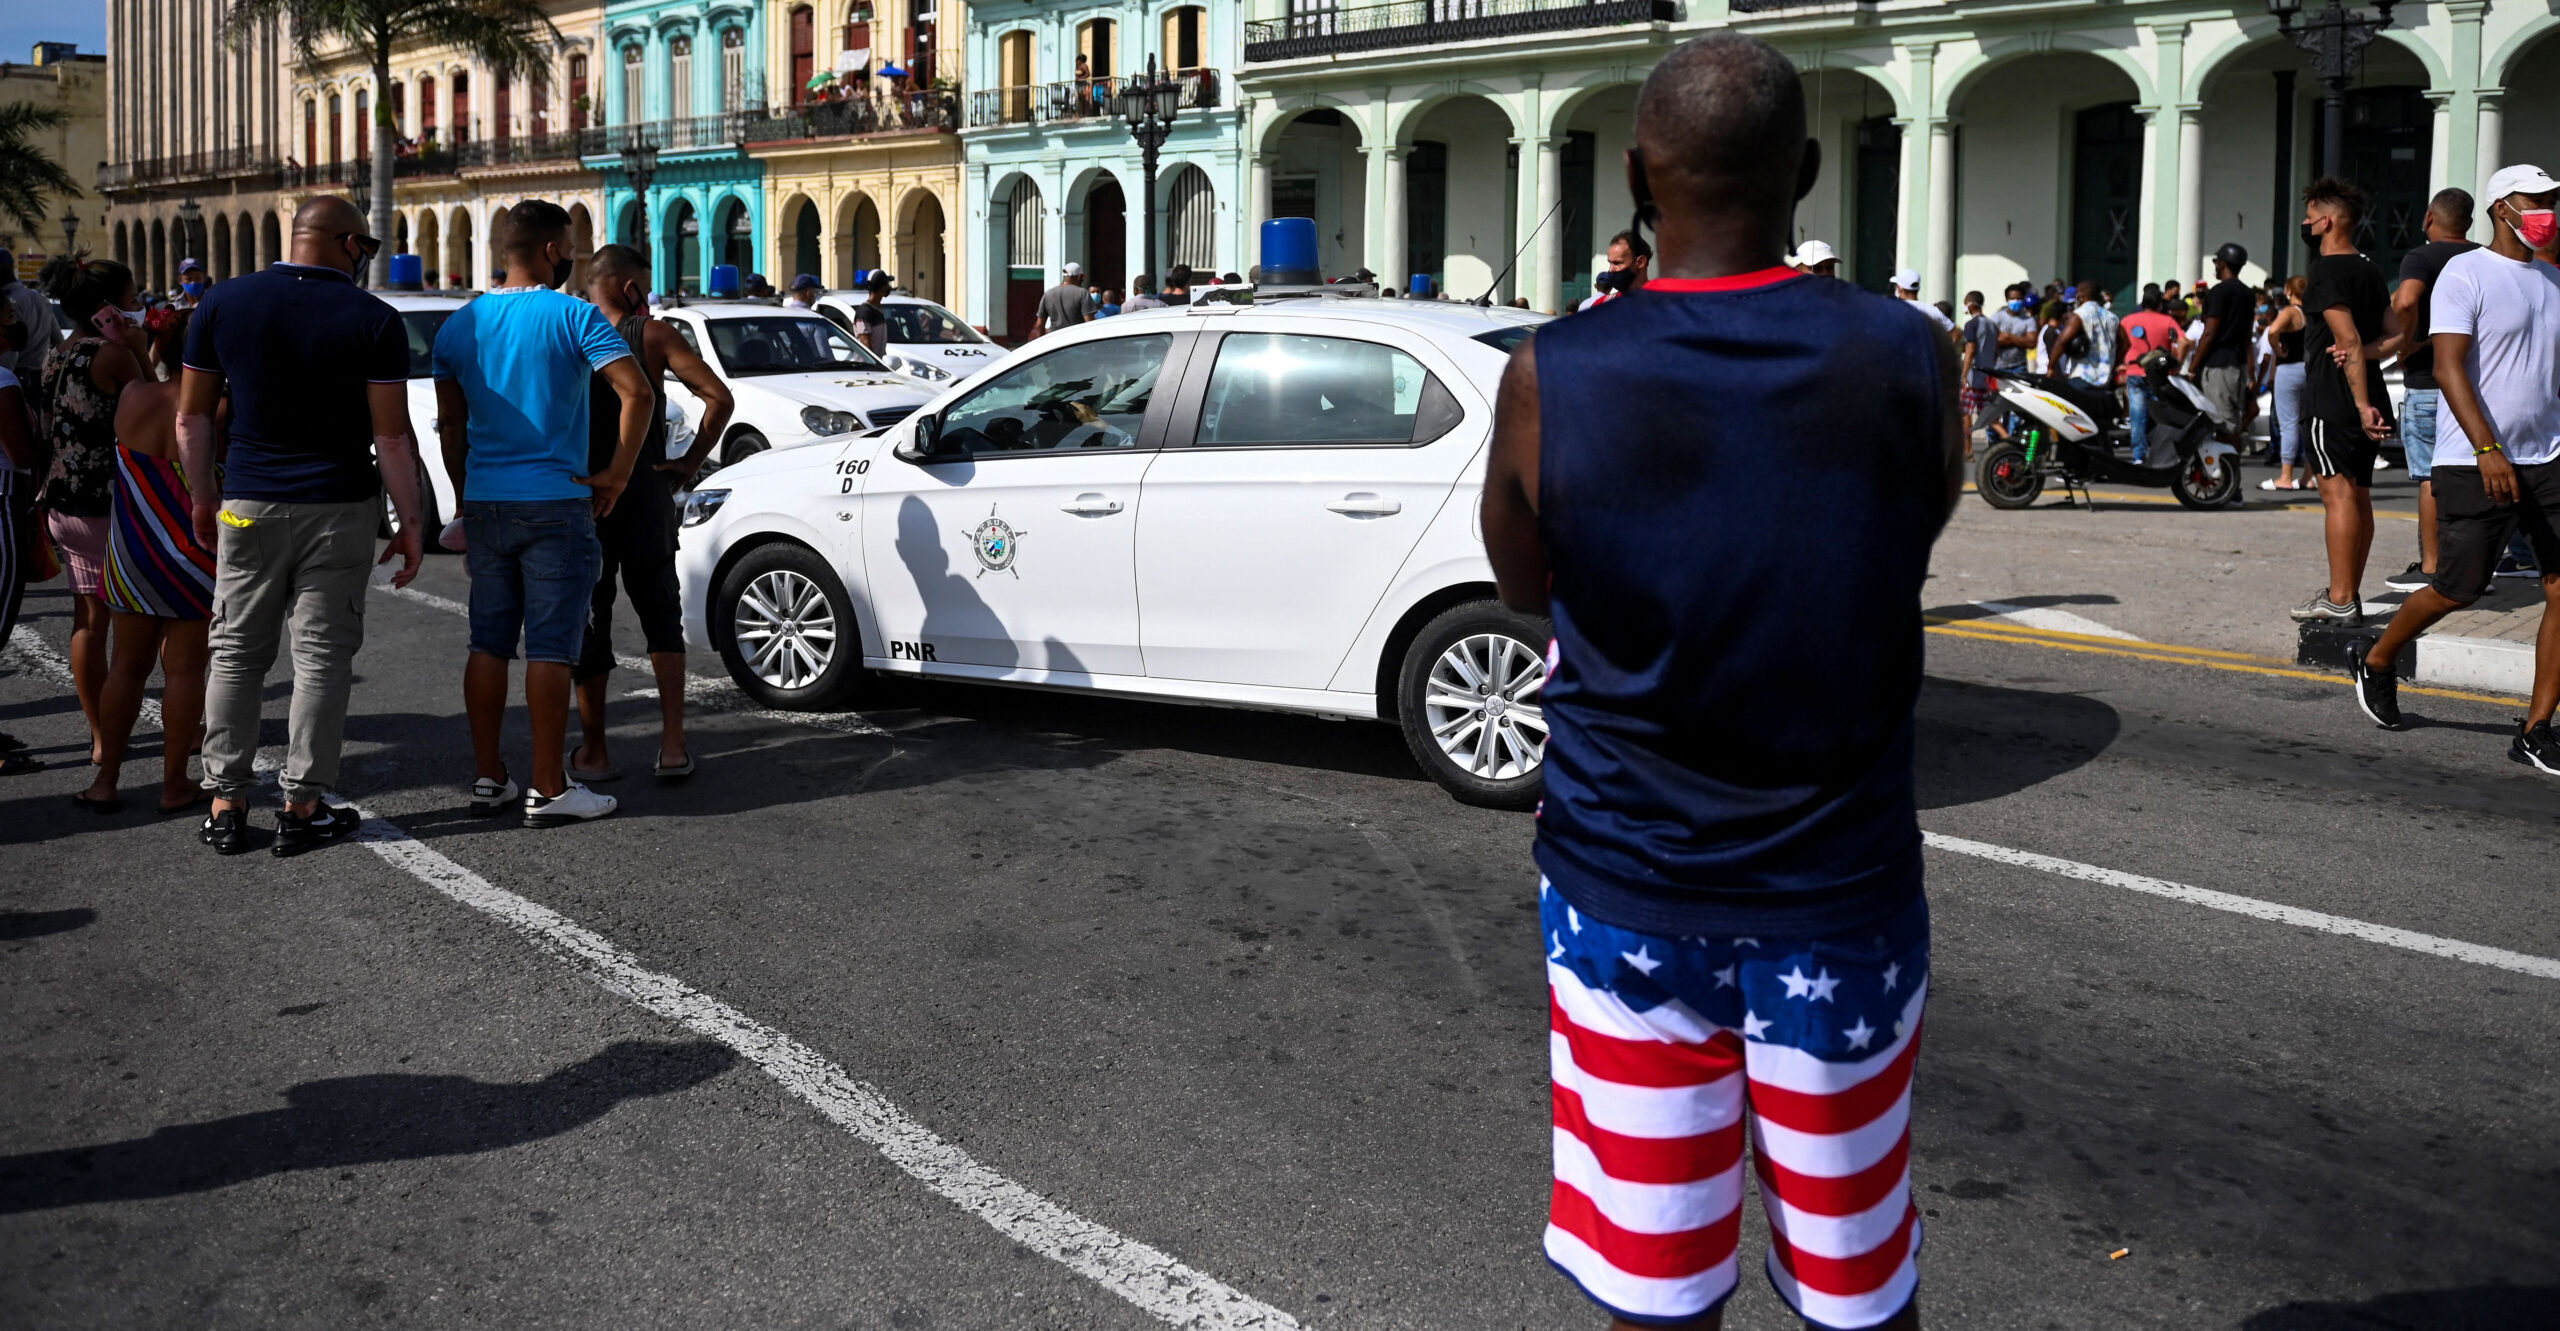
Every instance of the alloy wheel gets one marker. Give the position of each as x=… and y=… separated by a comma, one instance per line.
x=1483, y=705
x=786, y=629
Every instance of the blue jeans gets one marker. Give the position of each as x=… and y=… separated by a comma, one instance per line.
x=2137, y=398
x=533, y=571
x=2286, y=403
x=2418, y=430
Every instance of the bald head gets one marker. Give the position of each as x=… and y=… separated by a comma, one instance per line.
x=323, y=233
x=1721, y=126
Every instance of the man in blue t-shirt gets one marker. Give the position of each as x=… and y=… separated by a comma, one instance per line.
x=1731, y=889
x=511, y=374
x=317, y=372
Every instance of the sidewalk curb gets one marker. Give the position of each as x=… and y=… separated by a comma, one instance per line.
x=2491, y=665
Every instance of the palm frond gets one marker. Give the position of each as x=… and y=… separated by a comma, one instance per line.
x=27, y=174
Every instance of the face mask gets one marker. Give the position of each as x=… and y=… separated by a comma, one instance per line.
x=364, y=263
x=192, y=288
x=2537, y=227
x=132, y=316
x=2017, y=307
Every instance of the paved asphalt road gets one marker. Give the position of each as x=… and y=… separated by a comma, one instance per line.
x=1247, y=989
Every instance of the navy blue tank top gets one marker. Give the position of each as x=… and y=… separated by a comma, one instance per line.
x=1739, y=483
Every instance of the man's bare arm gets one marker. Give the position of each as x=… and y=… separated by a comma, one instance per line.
x=1511, y=487
x=2403, y=317
x=637, y=403
x=2347, y=345
x=395, y=448
x=453, y=435
x=199, y=396
x=717, y=402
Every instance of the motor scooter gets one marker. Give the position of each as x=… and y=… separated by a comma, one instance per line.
x=2066, y=432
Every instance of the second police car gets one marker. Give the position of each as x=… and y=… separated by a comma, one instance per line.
x=1268, y=505
x=925, y=339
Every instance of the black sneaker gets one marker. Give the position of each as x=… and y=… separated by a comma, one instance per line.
x=2511, y=567
x=2537, y=747
x=2377, y=692
x=227, y=832
x=2410, y=579
x=327, y=823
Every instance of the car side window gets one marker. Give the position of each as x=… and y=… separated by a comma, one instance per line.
x=1289, y=388
x=1088, y=396
x=835, y=316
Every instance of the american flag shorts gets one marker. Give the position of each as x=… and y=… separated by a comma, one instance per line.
x=1666, y=1050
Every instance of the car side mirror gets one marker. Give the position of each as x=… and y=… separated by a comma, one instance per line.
x=925, y=445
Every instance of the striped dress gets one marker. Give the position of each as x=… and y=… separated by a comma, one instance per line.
x=154, y=564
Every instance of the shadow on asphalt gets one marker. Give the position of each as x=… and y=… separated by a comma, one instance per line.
x=2473, y=1309
x=347, y=1121
x=1980, y=741
x=21, y=924
x=1971, y=610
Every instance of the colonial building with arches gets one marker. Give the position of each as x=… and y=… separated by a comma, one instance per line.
x=861, y=156
x=196, y=146
x=1053, y=175
x=2119, y=142
x=687, y=77
x=469, y=143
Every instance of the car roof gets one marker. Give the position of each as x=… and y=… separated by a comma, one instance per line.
x=739, y=309
x=1451, y=318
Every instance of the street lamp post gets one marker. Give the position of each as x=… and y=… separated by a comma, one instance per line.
x=640, y=162
x=1148, y=107
x=2335, y=39
x=190, y=216
x=70, y=229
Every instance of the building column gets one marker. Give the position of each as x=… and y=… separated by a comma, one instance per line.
x=1938, y=273
x=2165, y=172
x=1911, y=204
x=1258, y=203
x=2147, y=213
x=2460, y=120
x=2491, y=141
x=2190, y=192
x=1545, y=159
x=1386, y=213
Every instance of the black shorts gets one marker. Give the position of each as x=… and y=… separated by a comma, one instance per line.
x=639, y=541
x=2471, y=532
x=2340, y=452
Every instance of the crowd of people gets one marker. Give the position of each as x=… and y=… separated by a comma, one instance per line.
x=208, y=477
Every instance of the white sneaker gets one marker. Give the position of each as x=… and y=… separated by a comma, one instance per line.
x=577, y=804
x=490, y=796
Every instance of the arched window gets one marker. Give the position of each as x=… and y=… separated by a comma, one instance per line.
x=1192, y=233
x=1030, y=228
x=1186, y=39
x=426, y=108
x=804, y=54
x=635, y=100
x=733, y=70
x=502, y=108
x=337, y=129
x=577, y=93
x=364, y=125
x=310, y=131
x=1013, y=70
x=1094, y=48
x=680, y=78
x=461, y=107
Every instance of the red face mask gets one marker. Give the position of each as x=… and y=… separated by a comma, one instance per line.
x=2537, y=227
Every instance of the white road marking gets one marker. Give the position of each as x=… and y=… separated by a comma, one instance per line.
x=2058, y=621
x=2475, y=953
x=1138, y=1272
x=708, y=693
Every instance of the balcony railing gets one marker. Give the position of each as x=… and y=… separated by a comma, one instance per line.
x=531, y=149
x=1079, y=99
x=923, y=111
x=221, y=164
x=1430, y=22
x=726, y=129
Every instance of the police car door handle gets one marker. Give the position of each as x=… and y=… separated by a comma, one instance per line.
x=1362, y=504
x=1091, y=505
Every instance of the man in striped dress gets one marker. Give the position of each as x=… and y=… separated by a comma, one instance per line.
x=1724, y=488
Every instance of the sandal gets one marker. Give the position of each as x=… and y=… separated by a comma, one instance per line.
x=590, y=775
x=111, y=804
x=675, y=771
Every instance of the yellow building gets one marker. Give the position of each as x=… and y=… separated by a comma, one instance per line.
x=77, y=84
x=862, y=155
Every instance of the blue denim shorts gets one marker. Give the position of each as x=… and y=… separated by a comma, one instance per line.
x=2418, y=430
x=533, y=571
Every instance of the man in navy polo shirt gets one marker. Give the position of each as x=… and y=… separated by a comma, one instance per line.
x=1729, y=843
x=318, y=375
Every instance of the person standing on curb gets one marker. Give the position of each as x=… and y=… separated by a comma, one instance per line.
x=2219, y=360
x=638, y=538
x=511, y=404
x=1063, y=305
x=317, y=371
x=2345, y=410
x=1731, y=892
x=2448, y=226
x=2146, y=330
x=2495, y=313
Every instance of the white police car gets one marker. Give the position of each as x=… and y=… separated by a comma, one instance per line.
x=925, y=340
x=422, y=313
x=1268, y=505
x=798, y=379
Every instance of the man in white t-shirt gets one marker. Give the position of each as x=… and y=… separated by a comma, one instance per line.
x=2494, y=316
x=1906, y=286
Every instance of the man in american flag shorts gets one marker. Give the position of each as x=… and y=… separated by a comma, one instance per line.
x=1724, y=488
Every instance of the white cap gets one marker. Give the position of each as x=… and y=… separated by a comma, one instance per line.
x=1906, y=279
x=2520, y=180
x=1814, y=252
x=1072, y=269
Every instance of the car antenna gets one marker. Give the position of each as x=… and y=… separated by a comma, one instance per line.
x=1487, y=297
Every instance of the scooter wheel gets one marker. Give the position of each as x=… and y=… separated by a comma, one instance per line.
x=2197, y=486
x=2005, y=479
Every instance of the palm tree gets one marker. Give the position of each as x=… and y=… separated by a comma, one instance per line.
x=510, y=37
x=26, y=174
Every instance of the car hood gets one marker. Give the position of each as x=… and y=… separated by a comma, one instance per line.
x=850, y=390
x=962, y=359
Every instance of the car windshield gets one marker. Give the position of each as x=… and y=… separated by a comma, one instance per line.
x=785, y=345
x=928, y=323
x=422, y=326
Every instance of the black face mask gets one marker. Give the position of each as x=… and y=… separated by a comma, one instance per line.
x=364, y=264
x=2310, y=238
x=560, y=271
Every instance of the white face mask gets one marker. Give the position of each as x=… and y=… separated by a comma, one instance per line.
x=131, y=316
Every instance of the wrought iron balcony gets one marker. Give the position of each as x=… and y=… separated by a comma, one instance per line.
x=726, y=129
x=221, y=164
x=1080, y=100
x=1430, y=22
x=531, y=149
x=924, y=111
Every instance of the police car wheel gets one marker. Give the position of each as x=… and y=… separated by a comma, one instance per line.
x=785, y=629
x=1470, y=699
x=743, y=444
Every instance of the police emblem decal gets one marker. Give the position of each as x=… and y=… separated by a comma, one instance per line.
x=994, y=542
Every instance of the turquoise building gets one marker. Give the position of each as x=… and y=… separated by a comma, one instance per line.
x=687, y=76
x=1052, y=176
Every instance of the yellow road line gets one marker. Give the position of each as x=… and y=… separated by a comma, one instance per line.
x=1986, y=622
x=2148, y=652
